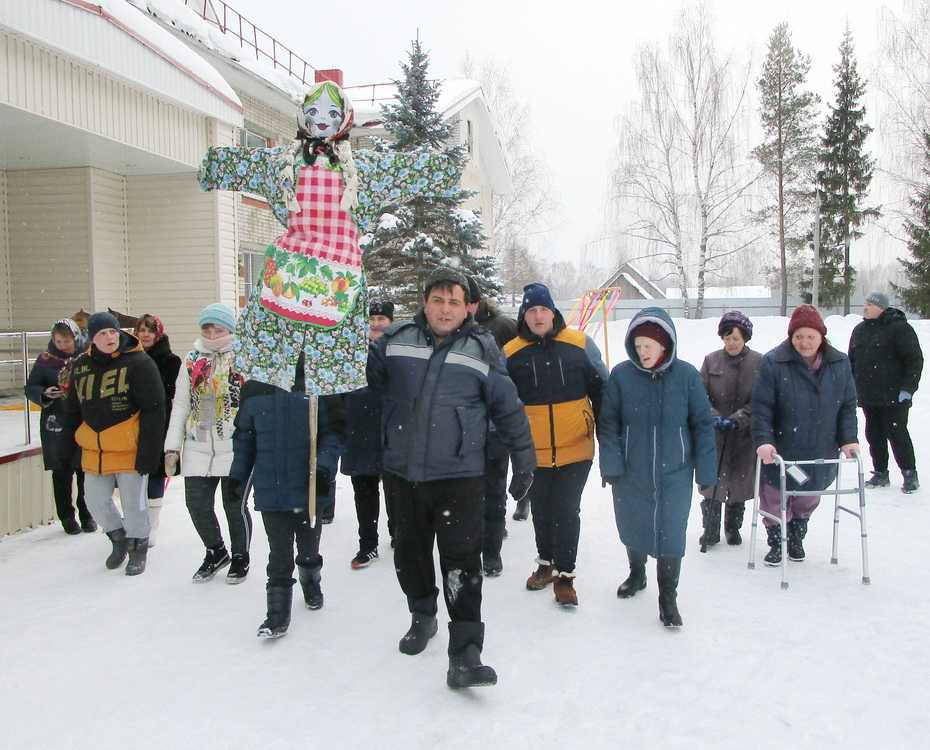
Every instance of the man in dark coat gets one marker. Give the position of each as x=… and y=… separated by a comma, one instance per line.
x=886, y=361
x=656, y=438
x=497, y=458
x=441, y=379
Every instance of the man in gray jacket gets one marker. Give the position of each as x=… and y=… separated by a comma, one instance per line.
x=441, y=378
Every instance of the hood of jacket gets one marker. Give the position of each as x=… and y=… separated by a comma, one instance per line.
x=661, y=318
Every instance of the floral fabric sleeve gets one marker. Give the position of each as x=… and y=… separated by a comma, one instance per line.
x=392, y=178
x=269, y=172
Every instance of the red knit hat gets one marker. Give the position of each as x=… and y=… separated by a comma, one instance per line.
x=806, y=316
x=655, y=332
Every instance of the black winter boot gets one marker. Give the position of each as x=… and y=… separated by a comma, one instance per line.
x=797, y=530
x=732, y=522
x=88, y=524
x=466, y=640
x=710, y=510
x=120, y=548
x=523, y=510
x=422, y=628
x=636, y=581
x=70, y=525
x=879, y=479
x=279, y=612
x=310, y=583
x=910, y=481
x=138, y=551
x=667, y=572
x=238, y=568
x=773, y=556
x=491, y=543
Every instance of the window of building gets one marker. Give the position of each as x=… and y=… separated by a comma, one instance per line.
x=251, y=139
x=251, y=263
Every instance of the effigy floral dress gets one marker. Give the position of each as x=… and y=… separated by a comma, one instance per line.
x=311, y=297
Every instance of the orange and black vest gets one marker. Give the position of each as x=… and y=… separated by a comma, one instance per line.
x=119, y=400
x=560, y=386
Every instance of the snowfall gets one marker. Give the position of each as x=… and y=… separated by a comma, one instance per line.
x=93, y=659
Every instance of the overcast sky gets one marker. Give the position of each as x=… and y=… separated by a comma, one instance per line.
x=571, y=61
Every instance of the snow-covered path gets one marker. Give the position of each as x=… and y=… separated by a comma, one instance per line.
x=93, y=659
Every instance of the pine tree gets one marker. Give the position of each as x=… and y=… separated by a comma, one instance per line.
x=916, y=296
x=413, y=239
x=788, y=153
x=843, y=180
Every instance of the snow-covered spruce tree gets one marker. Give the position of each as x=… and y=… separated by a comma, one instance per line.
x=843, y=178
x=916, y=295
x=412, y=240
x=789, y=151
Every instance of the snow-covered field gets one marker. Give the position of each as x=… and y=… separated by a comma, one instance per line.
x=92, y=659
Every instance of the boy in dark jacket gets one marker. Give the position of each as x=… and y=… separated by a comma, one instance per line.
x=362, y=457
x=886, y=362
x=272, y=445
x=116, y=401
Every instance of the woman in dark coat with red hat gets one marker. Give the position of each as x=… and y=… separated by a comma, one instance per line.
x=803, y=407
x=656, y=437
x=728, y=375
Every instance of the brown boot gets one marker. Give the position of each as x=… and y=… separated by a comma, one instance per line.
x=541, y=578
x=564, y=588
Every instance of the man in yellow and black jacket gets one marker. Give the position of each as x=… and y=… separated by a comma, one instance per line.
x=116, y=411
x=559, y=377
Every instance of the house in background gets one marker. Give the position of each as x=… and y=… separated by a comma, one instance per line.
x=633, y=284
x=462, y=104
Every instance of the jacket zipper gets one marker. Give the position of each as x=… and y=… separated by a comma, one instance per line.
x=681, y=437
x=99, y=455
x=552, y=432
x=561, y=371
x=535, y=379
x=626, y=446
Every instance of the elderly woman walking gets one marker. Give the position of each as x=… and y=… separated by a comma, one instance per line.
x=656, y=433
x=803, y=407
x=728, y=375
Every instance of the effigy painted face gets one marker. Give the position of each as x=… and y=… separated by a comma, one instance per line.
x=323, y=113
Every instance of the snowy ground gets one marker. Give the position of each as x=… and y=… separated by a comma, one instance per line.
x=93, y=659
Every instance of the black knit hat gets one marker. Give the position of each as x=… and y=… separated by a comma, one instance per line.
x=381, y=307
x=100, y=321
x=443, y=275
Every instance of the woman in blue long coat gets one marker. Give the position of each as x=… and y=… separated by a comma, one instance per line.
x=656, y=433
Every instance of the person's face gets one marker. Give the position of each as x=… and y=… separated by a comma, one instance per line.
x=806, y=342
x=211, y=331
x=734, y=342
x=323, y=117
x=539, y=320
x=107, y=340
x=648, y=350
x=445, y=311
x=870, y=311
x=63, y=342
x=146, y=336
x=376, y=326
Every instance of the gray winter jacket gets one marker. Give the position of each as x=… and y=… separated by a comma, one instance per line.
x=437, y=400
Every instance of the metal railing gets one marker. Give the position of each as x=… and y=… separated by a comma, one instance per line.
x=22, y=339
x=228, y=20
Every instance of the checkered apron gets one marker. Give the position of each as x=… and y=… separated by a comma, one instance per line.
x=321, y=279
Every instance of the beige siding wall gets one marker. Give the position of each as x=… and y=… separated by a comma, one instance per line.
x=49, y=245
x=226, y=252
x=172, y=237
x=6, y=311
x=281, y=126
x=26, y=499
x=47, y=84
x=107, y=212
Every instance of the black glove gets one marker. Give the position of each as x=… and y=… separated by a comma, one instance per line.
x=520, y=484
x=609, y=479
x=323, y=480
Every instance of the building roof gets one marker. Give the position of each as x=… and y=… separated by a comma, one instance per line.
x=637, y=279
x=116, y=38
